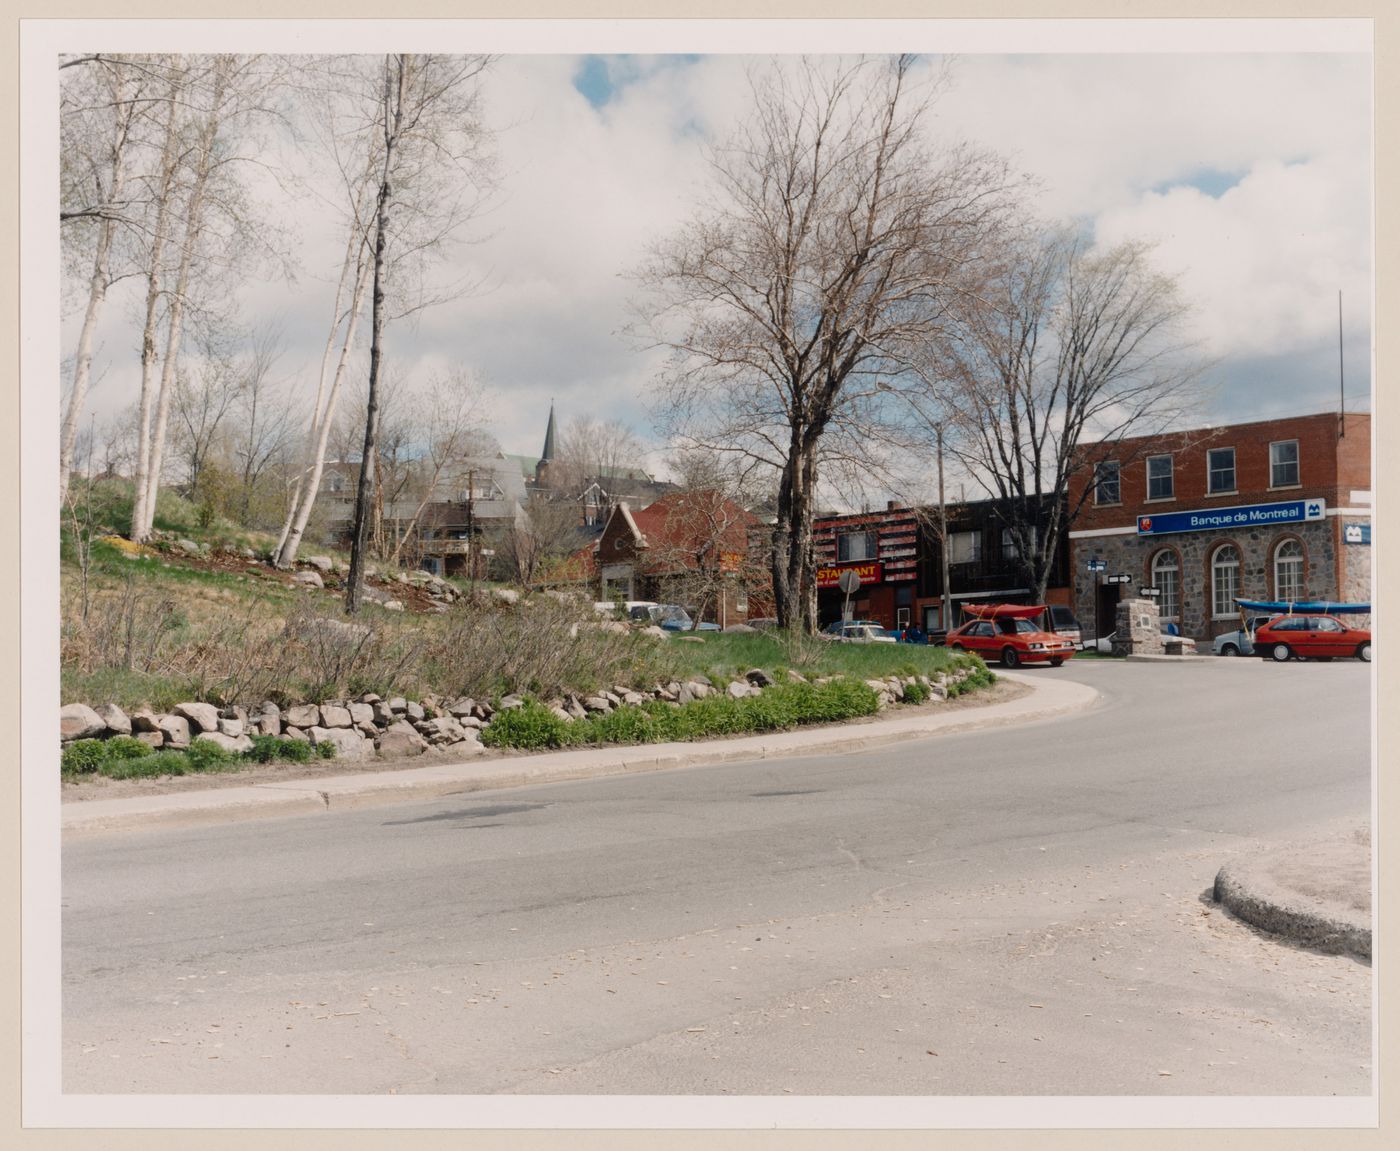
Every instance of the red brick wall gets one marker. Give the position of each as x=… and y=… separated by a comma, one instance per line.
x=1320, y=470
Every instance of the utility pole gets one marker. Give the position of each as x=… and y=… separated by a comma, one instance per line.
x=943, y=536
x=471, y=532
x=1341, y=374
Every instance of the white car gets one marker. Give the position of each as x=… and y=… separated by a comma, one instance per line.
x=863, y=633
x=1240, y=642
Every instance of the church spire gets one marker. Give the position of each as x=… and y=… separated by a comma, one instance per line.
x=548, y=453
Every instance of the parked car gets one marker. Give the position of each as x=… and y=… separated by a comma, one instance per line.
x=861, y=633
x=834, y=629
x=1241, y=641
x=1063, y=623
x=1310, y=637
x=1013, y=641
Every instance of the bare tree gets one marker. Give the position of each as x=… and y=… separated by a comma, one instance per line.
x=796, y=301
x=591, y=449
x=452, y=414
x=100, y=105
x=263, y=427
x=701, y=556
x=430, y=147
x=544, y=533
x=201, y=225
x=206, y=394
x=1066, y=344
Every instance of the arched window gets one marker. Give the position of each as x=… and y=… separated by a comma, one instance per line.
x=1224, y=581
x=1288, y=571
x=1166, y=576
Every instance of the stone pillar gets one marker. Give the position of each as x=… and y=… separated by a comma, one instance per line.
x=1139, y=628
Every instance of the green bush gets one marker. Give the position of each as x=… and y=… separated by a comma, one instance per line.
x=145, y=767
x=275, y=748
x=325, y=750
x=206, y=755
x=84, y=757
x=528, y=727
x=916, y=692
x=125, y=747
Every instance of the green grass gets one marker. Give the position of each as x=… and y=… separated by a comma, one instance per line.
x=778, y=708
x=123, y=757
x=721, y=656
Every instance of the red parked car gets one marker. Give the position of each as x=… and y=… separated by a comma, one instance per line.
x=1310, y=637
x=1005, y=632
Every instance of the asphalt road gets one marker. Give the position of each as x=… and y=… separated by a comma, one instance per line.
x=1022, y=911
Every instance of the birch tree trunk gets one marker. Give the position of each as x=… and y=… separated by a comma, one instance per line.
x=164, y=193
x=123, y=110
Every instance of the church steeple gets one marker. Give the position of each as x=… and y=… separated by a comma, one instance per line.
x=548, y=453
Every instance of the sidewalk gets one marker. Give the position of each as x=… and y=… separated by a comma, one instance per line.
x=1048, y=699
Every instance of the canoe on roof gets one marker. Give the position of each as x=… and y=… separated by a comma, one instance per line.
x=1004, y=610
x=1310, y=607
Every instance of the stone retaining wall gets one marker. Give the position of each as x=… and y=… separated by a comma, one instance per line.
x=370, y=725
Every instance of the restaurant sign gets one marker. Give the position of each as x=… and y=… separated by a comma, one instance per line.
x=869, y=573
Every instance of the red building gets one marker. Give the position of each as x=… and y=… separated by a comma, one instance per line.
x=1272, y=510
x=688, y=548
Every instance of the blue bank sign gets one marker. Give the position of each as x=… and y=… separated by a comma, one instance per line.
x=1253, y=516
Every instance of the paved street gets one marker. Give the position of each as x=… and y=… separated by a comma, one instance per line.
x=1023, y=911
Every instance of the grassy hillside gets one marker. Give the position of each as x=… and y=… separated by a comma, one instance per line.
x=156, y=626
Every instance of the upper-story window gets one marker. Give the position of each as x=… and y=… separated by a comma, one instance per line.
x=964, y=547
x=852, y=547
x=1283, y=464
x=1161, y=484
x=1220, y=464
x=1107, y=489
x=1009, y=550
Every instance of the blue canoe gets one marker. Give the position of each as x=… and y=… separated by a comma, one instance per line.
x=1314, y=607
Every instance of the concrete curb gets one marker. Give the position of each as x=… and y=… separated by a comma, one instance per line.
x=1315, y=895
x=1048, y=699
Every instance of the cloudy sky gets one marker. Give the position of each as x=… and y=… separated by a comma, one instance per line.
x=1246, y=159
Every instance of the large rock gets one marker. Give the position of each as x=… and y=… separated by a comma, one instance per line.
x=233, y=727
x=310, y=578
x=117, y=721
x=202, y=716
x=302, y=715
x=78, y=721
x=740, y=690
x=144, y=719
x=268, y=720
x=335, y=715
x=442, y=730
x=321, y=563
x=175, y=729
x=348, y=743
x=401, y=740
x=506, y=595
x=759, y=678
x=361, y=715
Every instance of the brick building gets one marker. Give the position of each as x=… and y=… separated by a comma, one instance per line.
x=1272, y=510
x=898, y=555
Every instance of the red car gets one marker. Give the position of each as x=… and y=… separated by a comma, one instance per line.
x=1005, y=632
x=1310, y=637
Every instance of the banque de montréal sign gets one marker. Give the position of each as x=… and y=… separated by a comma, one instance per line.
x=1251, y=516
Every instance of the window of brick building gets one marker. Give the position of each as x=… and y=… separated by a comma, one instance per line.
x=964, y=547
x=1221, y=465
x=1288, y=571
x=1224, y=581
x=1283, y=464
x=1160, y=480
x=1107, y=488
x=1166, y=576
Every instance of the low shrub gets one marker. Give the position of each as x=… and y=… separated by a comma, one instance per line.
x=125, y=747
x=276, y=748
x=529, y=727
x=83, y=757
x=916, y=692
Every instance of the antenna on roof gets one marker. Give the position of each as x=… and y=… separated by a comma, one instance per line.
x=1341, y=375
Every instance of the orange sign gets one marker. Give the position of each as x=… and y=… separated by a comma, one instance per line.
x=869, y=573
